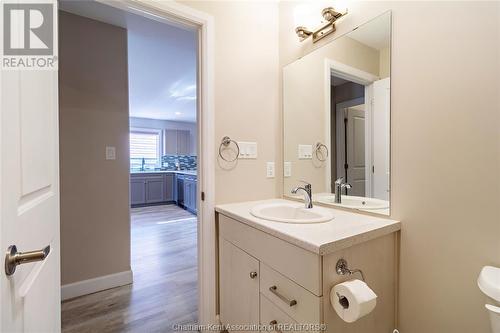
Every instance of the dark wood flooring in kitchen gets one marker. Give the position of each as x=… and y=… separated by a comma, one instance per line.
x=164, y=291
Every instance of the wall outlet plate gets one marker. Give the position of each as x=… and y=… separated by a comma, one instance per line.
x=270, y=170
x=110, y=153
x=305, y=152
x=287, y=169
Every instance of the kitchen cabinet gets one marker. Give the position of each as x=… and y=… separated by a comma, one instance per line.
x=190, y=193
x=151, y=188
x=137, y=190
x=177, y=142
x=155, y=189
x=169, y=187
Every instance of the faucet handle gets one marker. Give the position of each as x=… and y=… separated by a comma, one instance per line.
x=346, y=185
x=339, y=180
x=307, y=184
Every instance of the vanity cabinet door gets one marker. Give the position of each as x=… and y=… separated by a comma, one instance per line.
x=239, y=286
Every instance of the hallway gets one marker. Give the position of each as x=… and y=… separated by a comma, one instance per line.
x=164, y=292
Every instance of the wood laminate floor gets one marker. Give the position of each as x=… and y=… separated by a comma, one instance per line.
x=164, y=292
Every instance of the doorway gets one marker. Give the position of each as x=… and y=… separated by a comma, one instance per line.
x=162, y=208
x=358, y=111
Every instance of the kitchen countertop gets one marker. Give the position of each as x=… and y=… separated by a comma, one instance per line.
x=345, y=230
x=183, y=172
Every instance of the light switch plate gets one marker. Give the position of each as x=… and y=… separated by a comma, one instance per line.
x=248, y=150
x=110, y=153
x=305, y=152
x=287, y=169
x=270, y=170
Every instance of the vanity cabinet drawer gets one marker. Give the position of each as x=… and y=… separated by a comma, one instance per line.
x=297, y=302
x=299, y=265
x=271, y=315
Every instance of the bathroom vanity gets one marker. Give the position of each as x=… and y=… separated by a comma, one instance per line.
x=278, y=273
x=279, y=260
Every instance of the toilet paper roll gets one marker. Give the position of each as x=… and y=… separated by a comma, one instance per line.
x=352, y=300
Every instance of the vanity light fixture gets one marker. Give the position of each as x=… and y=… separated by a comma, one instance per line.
x=330, y=15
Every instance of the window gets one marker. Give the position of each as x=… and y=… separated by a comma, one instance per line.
x=144, y=149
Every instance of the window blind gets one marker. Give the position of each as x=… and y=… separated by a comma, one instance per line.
x=144, y=145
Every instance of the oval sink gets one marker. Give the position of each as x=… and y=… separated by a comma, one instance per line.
x=291, y=213
x=354, y=202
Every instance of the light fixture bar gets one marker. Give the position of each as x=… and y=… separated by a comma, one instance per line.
x=331, y=16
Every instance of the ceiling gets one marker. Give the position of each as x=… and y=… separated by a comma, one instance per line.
x=375, y=33
x=162, y=62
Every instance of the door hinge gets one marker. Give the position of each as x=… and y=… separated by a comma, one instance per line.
x=346, y=166
x=202, y=196
x=373, y=169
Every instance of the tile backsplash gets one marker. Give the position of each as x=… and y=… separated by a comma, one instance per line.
x=186, y=162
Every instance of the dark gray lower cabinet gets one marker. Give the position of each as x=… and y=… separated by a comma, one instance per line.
x=151, y=188
x=137, y=191
x=180, y=190
x=155, y=189
x=190, y=193
x=169, y=187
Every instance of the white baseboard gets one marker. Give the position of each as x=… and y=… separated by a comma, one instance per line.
x=100, y=283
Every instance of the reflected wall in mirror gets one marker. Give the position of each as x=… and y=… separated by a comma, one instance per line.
x=336, y=104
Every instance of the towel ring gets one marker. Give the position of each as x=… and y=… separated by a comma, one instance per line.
x=320, y=146
x=226, y=141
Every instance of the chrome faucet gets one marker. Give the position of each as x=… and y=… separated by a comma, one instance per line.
x=339, y=186
x=307, y=189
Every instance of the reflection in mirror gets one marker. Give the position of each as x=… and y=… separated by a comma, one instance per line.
x=336, y=103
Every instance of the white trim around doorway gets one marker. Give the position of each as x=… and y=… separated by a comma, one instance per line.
x=176, y=13
x=338, y=69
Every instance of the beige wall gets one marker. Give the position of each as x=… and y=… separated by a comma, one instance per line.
x=385, y=63
x=93, y=99
x=246, y=92
x=445, y=135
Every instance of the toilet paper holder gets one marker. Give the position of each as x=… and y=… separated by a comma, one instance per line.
x=342, y=268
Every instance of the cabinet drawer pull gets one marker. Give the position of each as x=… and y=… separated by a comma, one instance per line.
x=274, y=324
x=274, y=290
x=253, y=275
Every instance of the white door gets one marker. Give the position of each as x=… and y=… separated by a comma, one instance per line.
x=356, y=150
x=381, y=137
x=29, y=199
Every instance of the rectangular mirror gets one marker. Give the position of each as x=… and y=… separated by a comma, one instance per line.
x=336, y=104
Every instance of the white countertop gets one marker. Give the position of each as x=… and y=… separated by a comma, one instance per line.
x=345, y=230
x=183, y=172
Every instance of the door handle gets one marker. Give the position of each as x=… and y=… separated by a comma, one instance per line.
x=14, y=258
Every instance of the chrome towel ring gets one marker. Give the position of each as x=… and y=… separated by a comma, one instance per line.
x=226, y=141
x=319, y=147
